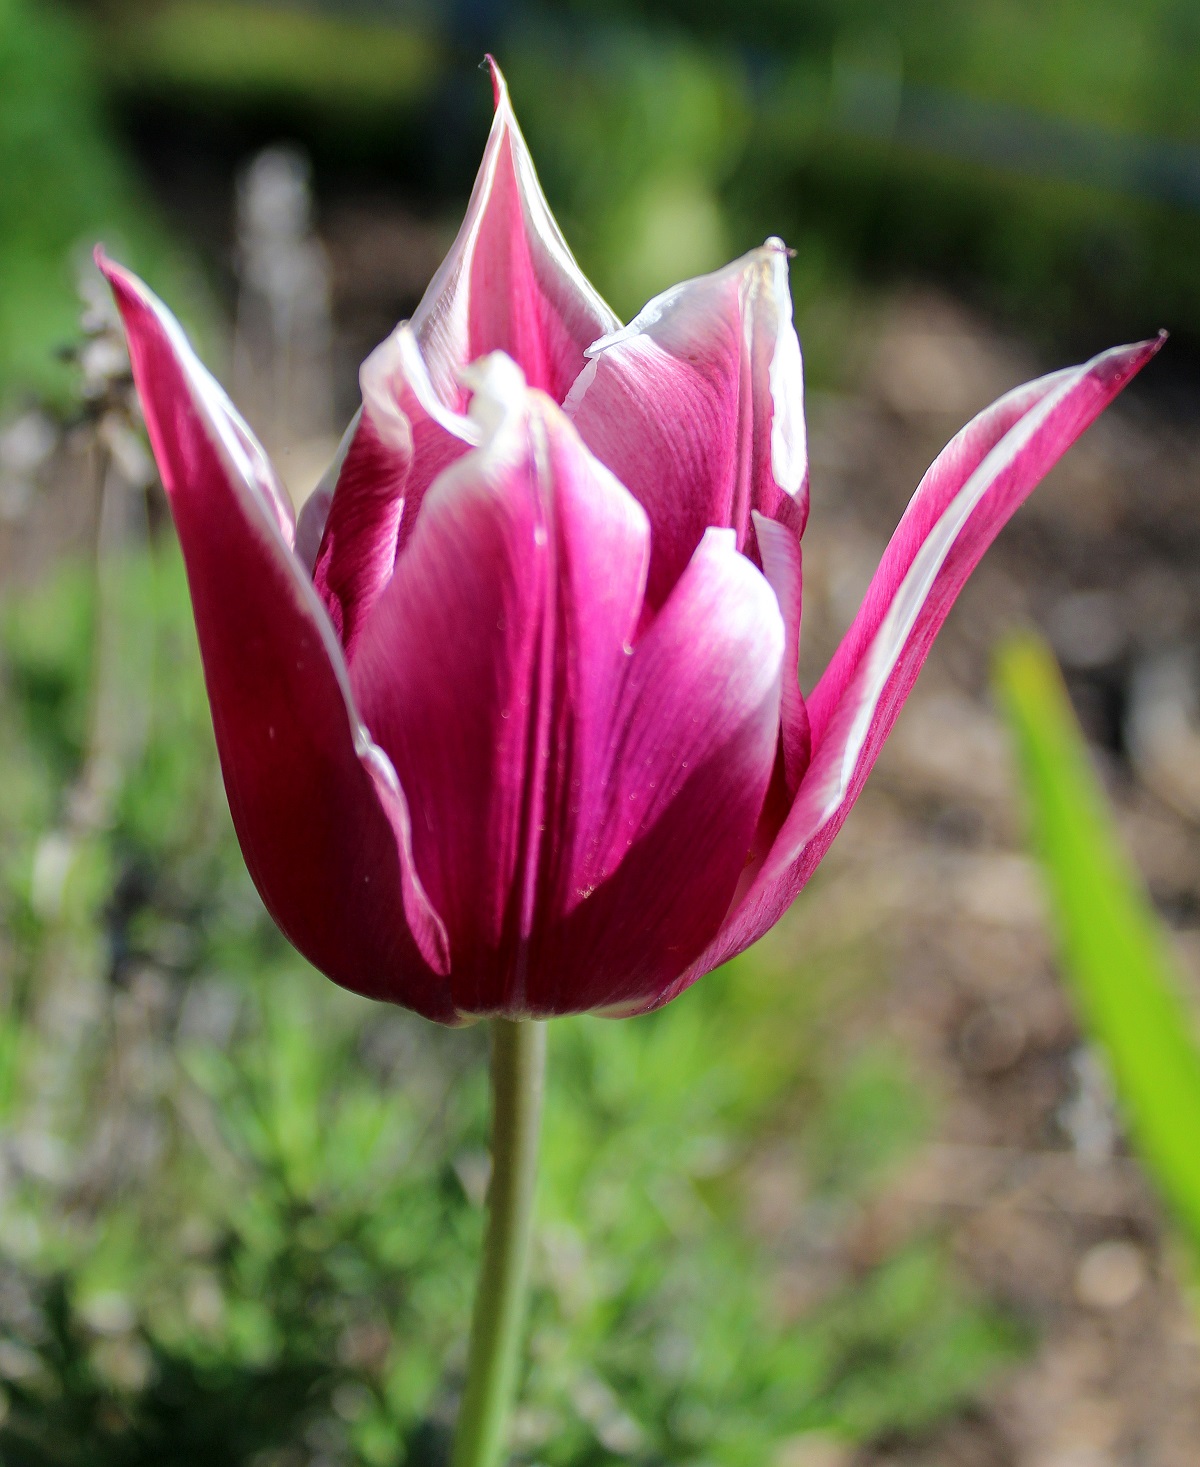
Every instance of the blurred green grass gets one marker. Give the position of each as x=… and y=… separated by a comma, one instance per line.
x=346, y=62
x=239, y=1209
x=64, y=186
x=1117, y=956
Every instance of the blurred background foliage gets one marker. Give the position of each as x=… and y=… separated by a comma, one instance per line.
x=1044, y=158
x=239, y=1211
x=64, y=184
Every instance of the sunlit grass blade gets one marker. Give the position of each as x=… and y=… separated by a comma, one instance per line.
x=1115, y=950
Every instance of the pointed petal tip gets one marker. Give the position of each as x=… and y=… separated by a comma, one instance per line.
x=117, y=275
x=1155, y=344
x=500, y=96
x=1127, y=360
x=770, y=265
x=124, y=283
x=770, y=258
x=121, y=280
x=1117, y=366
x=132, y=295
x=510, y=279
x=1142, y=351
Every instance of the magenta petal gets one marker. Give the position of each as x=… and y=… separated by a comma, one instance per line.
x=446, y=678
x=509, y=282
x=358, y=542
x=401, y=439
x=964, y=500
x=663, y=833
x=322, y=822
x=698, y=407
x=546, y=757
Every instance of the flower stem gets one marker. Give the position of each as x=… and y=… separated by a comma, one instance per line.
x=518, y=1068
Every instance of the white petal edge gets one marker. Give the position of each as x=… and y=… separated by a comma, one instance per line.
x=789, y=435
x=789, y=441
x=889, y=641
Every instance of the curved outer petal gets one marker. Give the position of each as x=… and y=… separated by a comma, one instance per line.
x=698, y=406
x=322, y=822
x=585, y=806
x=508, y=284
x=399, y=442
x=966, y=497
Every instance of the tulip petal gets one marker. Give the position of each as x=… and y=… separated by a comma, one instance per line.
x=509, y=283
x=965, y=499
x=544, y=753
x=664, y=832
x=780, y=552
x=400, y=441
x=698, y=406
x=314, y=512
x=322, y=822
x=444, y=676
x=358, y=543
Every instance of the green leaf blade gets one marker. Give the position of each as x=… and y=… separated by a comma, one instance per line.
x=1116, y=951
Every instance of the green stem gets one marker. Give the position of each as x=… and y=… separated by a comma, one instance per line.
x=518, y=1068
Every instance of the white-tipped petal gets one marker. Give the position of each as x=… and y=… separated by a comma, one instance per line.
x=698, y=406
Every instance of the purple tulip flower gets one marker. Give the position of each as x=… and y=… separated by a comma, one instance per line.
x=509, y=720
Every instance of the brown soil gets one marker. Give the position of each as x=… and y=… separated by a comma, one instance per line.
x=1028, y=1173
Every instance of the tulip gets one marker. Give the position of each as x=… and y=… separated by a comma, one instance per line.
x=509, y=719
